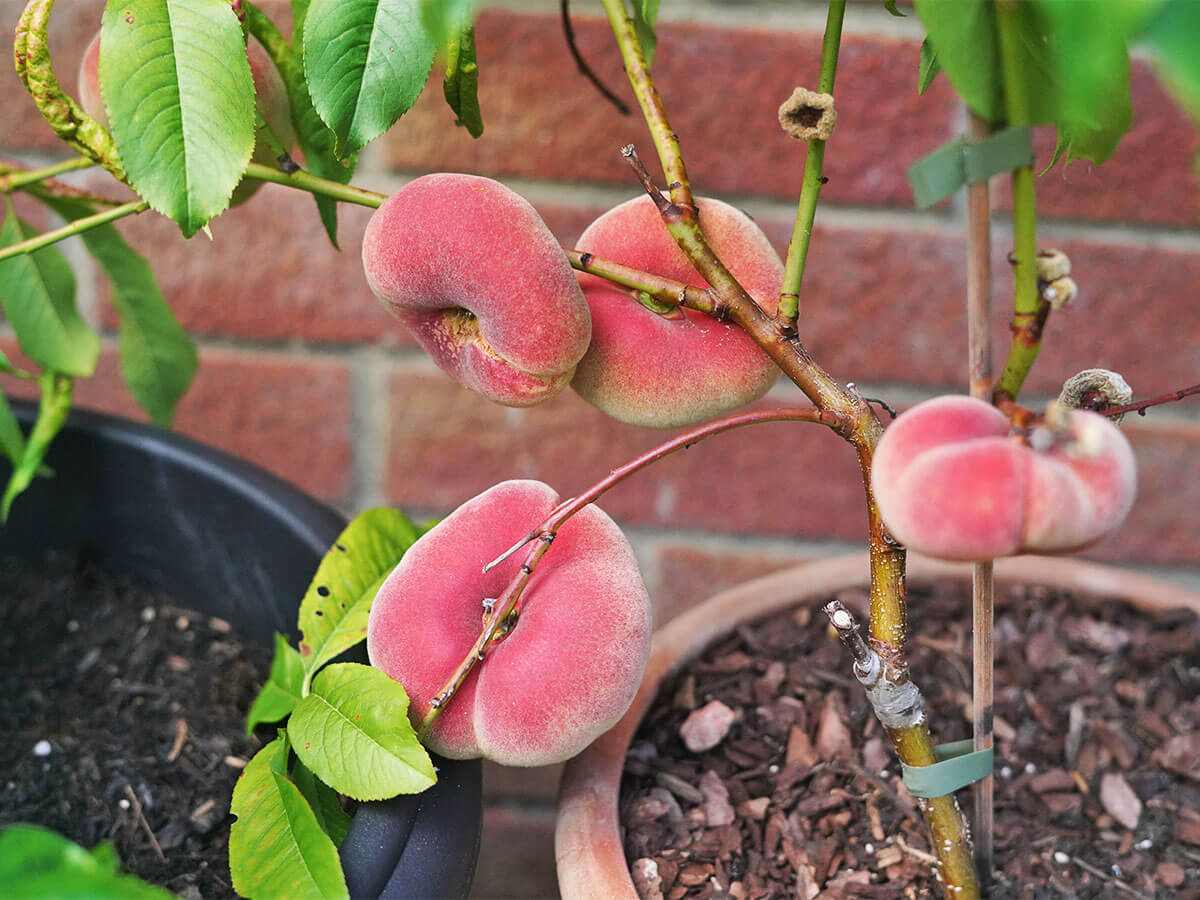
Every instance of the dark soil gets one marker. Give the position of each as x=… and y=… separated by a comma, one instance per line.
x=1097, y=764
x=123, y=720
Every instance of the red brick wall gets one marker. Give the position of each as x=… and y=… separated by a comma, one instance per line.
x=303, y=371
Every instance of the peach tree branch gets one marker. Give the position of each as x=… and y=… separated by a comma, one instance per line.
x=814, y=179
x=500, y=614
x=1030, y=309
x=79, y=226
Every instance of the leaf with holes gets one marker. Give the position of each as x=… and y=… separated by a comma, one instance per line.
x=276, y=846
x=281, y=691
x=366, y=62
x=353, y=733
x=180, y=99
x=333, y=613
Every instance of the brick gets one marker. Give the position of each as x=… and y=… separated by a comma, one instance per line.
x=269, y=273
x=516, y=856
x=1152, y=177
x=884, y=305
x=1165, y=518
x=689, y=575
x=290, y=416
x=544, y=120
x=446, y=444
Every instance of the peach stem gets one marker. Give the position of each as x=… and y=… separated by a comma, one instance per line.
x=499, y=618
x=810, y=190
x=664, y=290
x=1030, y=310
x=1141, y=406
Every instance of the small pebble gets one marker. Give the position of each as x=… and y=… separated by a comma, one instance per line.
x=72, y=626
x=182, y=623
x=1061, y=858
x=123, y=803
x=149, y=614
x=42, y=748
x=1144, y=844
x=1006, y=771
x=1030, y=768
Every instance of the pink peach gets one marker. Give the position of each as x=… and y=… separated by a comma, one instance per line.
x=952, y=483
x=567, y=670
x=269, y=89
x=686, y=367
x=470, y=267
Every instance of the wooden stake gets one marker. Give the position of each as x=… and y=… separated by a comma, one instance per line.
x=979, y=345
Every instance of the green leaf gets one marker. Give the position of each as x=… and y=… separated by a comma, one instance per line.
x=353, y=733
x=366, y=62
x=180, y=99
x=53, y=407
x=1093, y=109
x=281, y=692
x=158, y=358
x=890, y=6
x=299, y=13
x=36, y=863
x=333, y=613
x=324, y=802
x=276, y=847
x=12, y=440
x=461, y=83
x=963, y=36
x=929, y=67
x=37, y=291
x=645, y=15
x=315, y=139
x=1173, y=32
x=444, y=19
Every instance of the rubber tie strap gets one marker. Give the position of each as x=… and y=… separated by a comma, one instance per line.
x=957, y=767
x=938, y=175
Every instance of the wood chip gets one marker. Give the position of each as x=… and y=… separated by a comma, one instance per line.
x=834, y=740
x=800, y=748
x=707, y=726
x=717, y=809
x=1119, y=800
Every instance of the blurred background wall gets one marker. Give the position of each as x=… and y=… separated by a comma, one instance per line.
x=303, y=372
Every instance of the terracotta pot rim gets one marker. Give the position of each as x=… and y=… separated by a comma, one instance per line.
x=590, y=858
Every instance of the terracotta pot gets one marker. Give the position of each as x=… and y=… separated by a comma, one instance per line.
x=591, y=861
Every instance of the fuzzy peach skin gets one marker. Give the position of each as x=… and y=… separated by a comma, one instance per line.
x=951, y=483
x=569, y=668
x=269, y=89
x=684, y=368
x=469, y=266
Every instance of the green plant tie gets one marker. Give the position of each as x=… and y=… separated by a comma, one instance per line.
x=939, y=174
x=957, y=767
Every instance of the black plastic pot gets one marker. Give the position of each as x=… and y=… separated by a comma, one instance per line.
x=226, y=538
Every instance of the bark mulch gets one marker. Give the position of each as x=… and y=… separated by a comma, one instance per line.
x=123, y=721
x=1097, y=759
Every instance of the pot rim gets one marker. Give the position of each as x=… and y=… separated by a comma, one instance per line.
x=587, y=839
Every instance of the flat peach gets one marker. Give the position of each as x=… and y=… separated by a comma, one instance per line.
x=567, y=670
x=471, y=269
